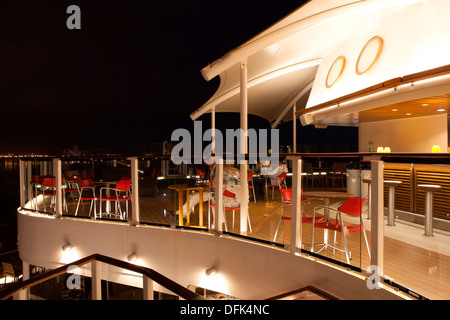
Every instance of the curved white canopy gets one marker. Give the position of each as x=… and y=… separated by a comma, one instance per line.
x=289, y=62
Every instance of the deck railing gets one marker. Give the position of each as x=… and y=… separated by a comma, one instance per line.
x=154, y=200
x=148, y=276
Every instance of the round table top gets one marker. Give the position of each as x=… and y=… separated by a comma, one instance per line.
x=328, y=194
x=183, y=187
x=428, y=187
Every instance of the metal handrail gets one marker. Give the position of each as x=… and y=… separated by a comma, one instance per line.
x=150, y=273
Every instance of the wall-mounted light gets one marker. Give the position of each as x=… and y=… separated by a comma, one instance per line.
x=387, y=149
x=67, y=247
x=132, y=257
x=380, y=149
x=211, y=271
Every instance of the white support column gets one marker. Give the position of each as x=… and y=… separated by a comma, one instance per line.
x=28, y=181
x=147, y=285
x=58, y=186
x=244, y=147
x=96, y=280
x=377, y=218
x=213, y=127
x=296, y=212
x=218, y=197
x=294, y=124
x=134, y=219
x=24, y=293
x=22, y=178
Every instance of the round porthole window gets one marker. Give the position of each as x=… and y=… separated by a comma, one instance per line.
x=335, y=71
x=369, y=55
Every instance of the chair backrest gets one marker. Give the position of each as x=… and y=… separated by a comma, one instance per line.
x=249, y=176
x=287, y=195
x=124, y=184
x=48, y=182
x=39, y=178
x=352, y=206
x=200, y=173
x=85, y=182
x=229, y=194
x=282, y=176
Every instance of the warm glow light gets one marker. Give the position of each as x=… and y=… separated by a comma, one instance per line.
x=211, y=271
x=387, y=149
x=436, y=149
x=440, y=110
x=394, y=110
x=132, y=257
x=380, y=149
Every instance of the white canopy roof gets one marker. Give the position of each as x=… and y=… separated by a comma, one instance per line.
x=289, y=62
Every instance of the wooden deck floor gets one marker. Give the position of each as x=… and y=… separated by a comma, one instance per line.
x=424, y=271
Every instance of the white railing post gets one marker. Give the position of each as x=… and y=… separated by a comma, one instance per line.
x=377, y=218
x=135, y=219
x=244, y=146
x=296, y=213
x=58, y=186
x=96, y=280
x=218, y=196
x=147, y=285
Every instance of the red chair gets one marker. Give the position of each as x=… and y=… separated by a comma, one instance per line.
x=87, y=193
x=352, y=207
x=230, y=194
x=286, y=195
x=281, y=179
x=252, y=186
x=122, y=193
x=49, y=190
x=72, y=185
x=36, y=181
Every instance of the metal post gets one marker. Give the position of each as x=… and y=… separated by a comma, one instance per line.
x=296, y=213
x=377, y=219
x=213, y=127
x=96, y=280
x=147, y=285
x=134, y=220
x=24, y=293
x=429, y=213
x=294, y=117
x=22, y=175
x=219, y=213
x=244, y=147
x=58, y=186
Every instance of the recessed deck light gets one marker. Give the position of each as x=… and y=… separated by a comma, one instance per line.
x=394, y=110
x=425, y=104
x=408, y=114
x=440, y=110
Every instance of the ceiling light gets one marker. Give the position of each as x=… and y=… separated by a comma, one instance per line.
x=440, y=110
x=132, y=257
x=424, y=104
x=394, y=110
x=408, y=114
x=66, y=247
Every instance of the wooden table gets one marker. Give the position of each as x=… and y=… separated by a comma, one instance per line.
x=327, y=196
x=181, y=188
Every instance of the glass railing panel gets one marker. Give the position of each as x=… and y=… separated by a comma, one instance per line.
x=335, y=196
x=38, y=180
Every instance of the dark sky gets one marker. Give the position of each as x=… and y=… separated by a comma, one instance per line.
x=130, y=75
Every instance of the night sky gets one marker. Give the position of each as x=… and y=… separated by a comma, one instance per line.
x=130, y=75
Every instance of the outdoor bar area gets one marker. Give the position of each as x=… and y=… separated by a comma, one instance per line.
x=369, y=224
